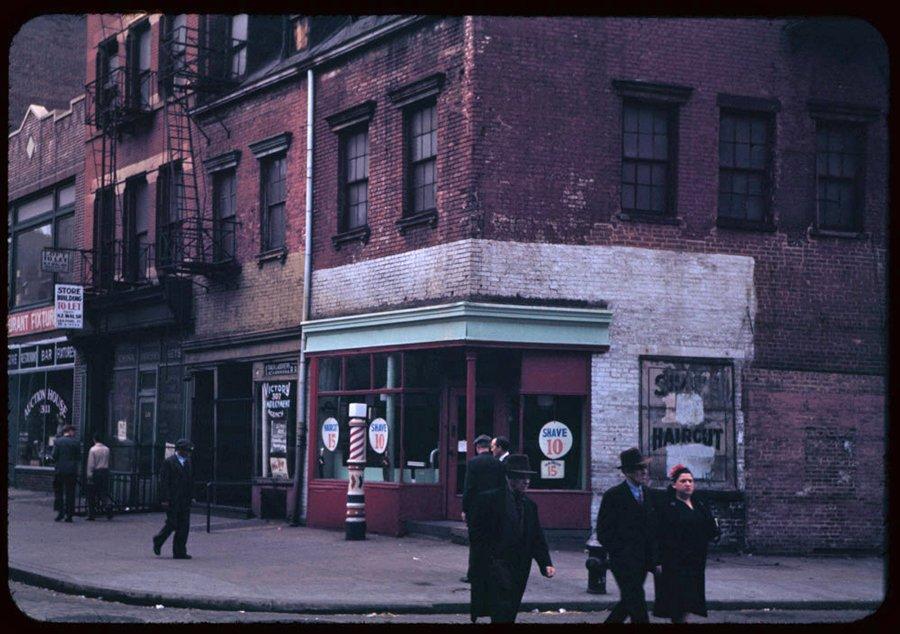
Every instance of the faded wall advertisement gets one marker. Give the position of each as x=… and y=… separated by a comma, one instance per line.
x=687, y=416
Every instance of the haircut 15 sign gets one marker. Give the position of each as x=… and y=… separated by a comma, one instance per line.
x=330, y=434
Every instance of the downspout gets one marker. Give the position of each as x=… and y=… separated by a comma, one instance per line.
x=302, y=426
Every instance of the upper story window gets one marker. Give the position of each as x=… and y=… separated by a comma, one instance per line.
x=744, y=166
x=239, y=33
x=839, y=175
x=138, y=59
x=169, y=195
x=649, y=148
x=174, y=38
x=648, y=152
x=274, y=195
x=136, y=230
x=37, y=222
x=421, y=131
x=224, y=213
x=354, y=178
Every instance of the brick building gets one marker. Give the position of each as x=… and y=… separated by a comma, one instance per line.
x=581, y=233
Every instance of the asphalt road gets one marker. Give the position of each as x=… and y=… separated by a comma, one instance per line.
x=50, y=606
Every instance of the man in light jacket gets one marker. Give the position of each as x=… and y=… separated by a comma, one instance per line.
x=98, y=478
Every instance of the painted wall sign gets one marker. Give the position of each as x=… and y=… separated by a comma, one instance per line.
x=69, y=306
x=278, y=368
x=31, y=321
x=378, y=435
x=330, y=434
x=555, y=439
x=687, y=416
x=56, y=260
x=28, y=357
x=43, y=400
x=46, y=355
x=12, y=360
x=553, y=469
x=65, y=354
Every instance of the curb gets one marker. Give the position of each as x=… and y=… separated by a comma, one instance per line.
x=231, y=604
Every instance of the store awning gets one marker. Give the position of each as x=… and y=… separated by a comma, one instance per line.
x=462, y=322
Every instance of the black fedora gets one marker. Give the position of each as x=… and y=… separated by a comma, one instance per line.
x=517, y=464
x=483, y=439
x=631, y=458
x=184, y=444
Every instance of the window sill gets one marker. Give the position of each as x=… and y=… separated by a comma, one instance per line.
x=423, y=218
x=272, y=254
x=279, y=483
x=831, y=233
x=34, y=468
x=745, y=225
x=360, y=234
x=650, y=218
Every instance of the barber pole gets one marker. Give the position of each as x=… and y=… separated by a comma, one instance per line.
x=356, y=498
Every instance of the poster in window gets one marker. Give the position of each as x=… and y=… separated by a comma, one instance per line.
x=687, y=416
x=278, y=467
x=278, y=406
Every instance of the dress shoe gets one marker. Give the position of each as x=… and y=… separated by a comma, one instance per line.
x=156, y=547
x=465, y=579
x=58, y=518
x=68, y=519
x=184, y=556
x=90, y=519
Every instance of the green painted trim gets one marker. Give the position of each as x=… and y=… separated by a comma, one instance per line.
x=461, y=321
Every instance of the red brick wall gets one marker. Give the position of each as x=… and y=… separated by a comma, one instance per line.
x=815, y=447
x=423, y=50
x=45, y=64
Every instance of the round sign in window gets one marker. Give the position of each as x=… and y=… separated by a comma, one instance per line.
x=555, y=439
x=330, y=434
x=378, y=435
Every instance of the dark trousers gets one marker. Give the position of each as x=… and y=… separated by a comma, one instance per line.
x=632, y=602
x=178, y=519
x=64, y=493
x=98, y=492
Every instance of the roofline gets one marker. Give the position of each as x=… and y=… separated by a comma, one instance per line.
x=42, y=113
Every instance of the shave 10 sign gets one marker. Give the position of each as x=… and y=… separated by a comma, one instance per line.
x=555, y=439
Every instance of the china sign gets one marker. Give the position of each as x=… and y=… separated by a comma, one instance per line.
x=69, y=306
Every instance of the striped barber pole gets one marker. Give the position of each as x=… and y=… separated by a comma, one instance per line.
x=355, y=524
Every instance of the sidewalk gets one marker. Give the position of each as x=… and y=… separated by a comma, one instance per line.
x=269, y=566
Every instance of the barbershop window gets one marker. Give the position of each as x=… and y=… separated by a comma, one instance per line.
x=554, y=438
x=401, y=391
x=37, y=222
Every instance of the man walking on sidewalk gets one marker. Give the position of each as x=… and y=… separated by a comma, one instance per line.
x=176, y=490
x=66, y=458
x=483, y=473
x=98, y=479
x=626, y=526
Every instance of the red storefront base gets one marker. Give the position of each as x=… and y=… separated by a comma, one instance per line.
x=389, y=505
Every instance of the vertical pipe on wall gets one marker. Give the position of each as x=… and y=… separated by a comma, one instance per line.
x=307, y=286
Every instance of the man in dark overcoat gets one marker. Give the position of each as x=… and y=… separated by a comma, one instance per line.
x=176, y=491
x=506, y=536
x=626, y=526
x=483, y=473
x=66, y=458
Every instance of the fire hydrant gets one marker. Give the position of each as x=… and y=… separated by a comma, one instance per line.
x=596, y=564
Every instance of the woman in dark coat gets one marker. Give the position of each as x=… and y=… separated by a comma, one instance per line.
x=685, y=528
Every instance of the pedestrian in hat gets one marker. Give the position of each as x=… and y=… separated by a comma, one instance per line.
x=483, y=473
x=686, y=527
x=176, y=491
x=626, y=526
x=66, y=460
x=506, y=536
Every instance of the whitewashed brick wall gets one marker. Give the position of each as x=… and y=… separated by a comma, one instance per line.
x=669, y=303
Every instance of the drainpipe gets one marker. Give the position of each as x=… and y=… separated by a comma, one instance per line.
x=302, y=407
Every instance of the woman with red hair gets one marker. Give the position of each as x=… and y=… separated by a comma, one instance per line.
x=685, y=528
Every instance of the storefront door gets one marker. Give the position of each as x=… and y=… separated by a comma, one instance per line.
x=485, y=409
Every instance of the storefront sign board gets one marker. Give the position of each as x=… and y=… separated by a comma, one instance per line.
x=69, y=306
x=330, y=434
x=553, y=469
x=378, y=435
x=555, y=439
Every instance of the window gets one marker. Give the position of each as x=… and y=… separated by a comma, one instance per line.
x=136, y=256
x=169, y=194
x=139, y=74
x=421, y=126
x=547, y=421
x=839, y=176
x=276, y=440
x=224, y=210
x=38, y=222
x=274, y=193
x=354, y=178
x=239, y=31
x=44, y=407
x=744, y=160
x=647, y=153
x=107, y=96
x=173, y=51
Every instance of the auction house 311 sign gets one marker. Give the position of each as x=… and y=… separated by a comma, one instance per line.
x=330, y=434
x=378, y=435
x=69, y=305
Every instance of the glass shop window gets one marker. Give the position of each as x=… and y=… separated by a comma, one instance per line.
x=44, y=408
x=554, y=439
x=276, y=441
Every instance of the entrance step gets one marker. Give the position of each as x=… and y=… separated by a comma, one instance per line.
x=456, y=532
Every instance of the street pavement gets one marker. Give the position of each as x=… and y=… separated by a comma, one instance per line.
x=270, y=567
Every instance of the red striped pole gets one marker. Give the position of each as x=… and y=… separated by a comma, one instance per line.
x=355, y=523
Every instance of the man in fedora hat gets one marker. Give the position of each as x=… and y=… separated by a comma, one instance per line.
x=176, y=490
x=66, y=460
x=483, y=473
x=626, y=526
x=506, y=535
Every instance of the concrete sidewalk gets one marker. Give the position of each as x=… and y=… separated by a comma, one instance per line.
x=269, y=566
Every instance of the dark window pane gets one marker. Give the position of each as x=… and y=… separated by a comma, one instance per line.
x=628, y=172
x=330, y=374
x=726, y=154
x=628, y=196
x=645, y=145
x=630, y=145
x=645, y=121
x=742, y=155
x=643, y=173
x=630, y=120
x=658, y=199
x=658, y=176
x=358, y=372
x=643, y=197
x=754, y=208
